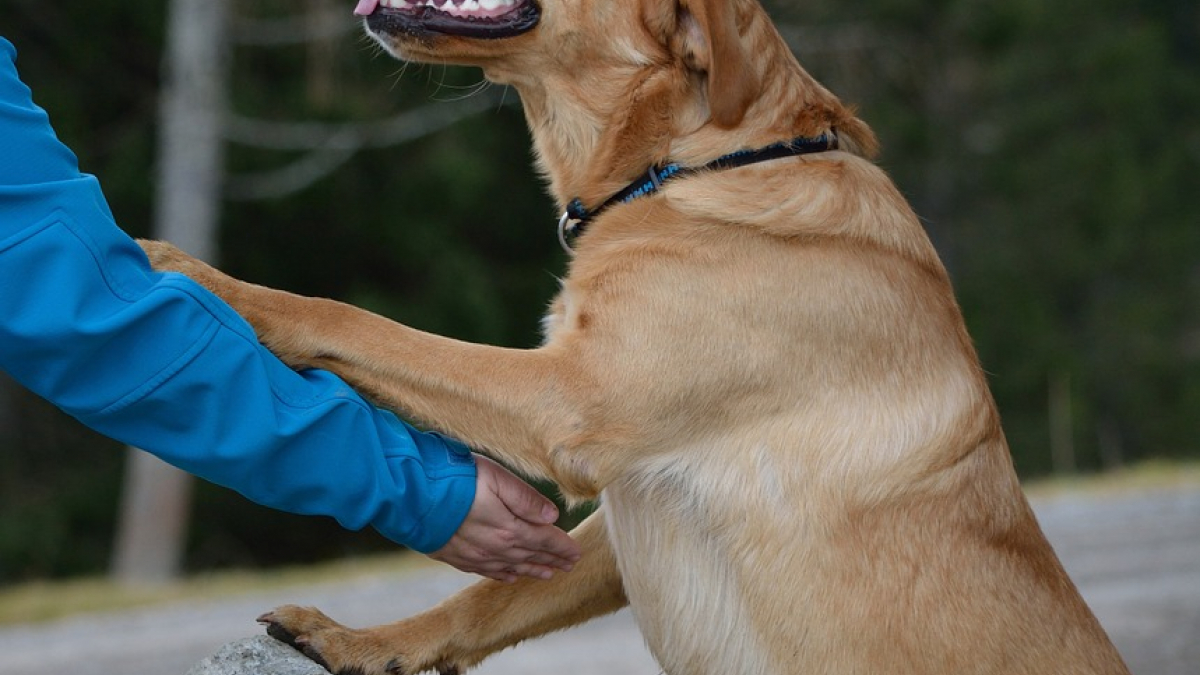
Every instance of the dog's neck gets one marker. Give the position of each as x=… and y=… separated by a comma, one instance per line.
x=590, y=146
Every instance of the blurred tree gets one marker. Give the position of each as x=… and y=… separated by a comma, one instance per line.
x=1083, y=218
x=149, y=547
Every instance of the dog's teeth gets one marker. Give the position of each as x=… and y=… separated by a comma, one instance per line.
x=470, y=6
x=489, y=4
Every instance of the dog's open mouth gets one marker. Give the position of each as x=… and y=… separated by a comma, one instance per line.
x=465, y=18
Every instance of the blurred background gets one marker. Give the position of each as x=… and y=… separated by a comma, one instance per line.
x=1052, y=148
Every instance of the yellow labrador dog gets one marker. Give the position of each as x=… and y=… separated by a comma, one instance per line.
x=756, y=361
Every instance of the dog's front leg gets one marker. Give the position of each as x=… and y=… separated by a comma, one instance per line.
x=467, y=627
x=512, y=403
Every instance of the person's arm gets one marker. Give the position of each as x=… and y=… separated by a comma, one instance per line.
x=158, y=362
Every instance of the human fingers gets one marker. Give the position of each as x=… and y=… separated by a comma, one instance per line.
x=519, y=497
x=511, y=545
x=477, y=561
x=549, y=544
x=546, y=545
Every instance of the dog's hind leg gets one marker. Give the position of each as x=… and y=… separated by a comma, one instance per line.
x=468, y=626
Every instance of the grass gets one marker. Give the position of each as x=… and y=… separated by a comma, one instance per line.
x=1143, y=476
x=48, y=600
x=41, y=601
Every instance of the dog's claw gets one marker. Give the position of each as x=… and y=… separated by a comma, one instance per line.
x=299, y=643
x=282, y=634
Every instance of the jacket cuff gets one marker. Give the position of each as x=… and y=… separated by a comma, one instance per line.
x=449, y=479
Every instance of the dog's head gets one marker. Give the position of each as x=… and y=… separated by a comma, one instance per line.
x=611, y=86
x=578, y=37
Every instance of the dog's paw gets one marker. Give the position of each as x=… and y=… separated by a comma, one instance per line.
x=346, y=651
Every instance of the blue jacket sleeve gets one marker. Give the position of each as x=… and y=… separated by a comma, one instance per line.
x=156, y=361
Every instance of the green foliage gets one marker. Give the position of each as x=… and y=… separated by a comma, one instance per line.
x=1086, y=217
x=57, y=480
x=1051, y=147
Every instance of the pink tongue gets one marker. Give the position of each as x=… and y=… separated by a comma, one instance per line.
x=365, y=7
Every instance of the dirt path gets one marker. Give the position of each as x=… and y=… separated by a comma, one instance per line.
x=1135, y=555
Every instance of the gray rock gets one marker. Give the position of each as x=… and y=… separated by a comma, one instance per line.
x=260, y=655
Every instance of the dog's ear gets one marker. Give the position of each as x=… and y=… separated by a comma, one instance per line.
x=708, y=39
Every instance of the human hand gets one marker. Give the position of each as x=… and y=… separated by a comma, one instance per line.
x=509, y=531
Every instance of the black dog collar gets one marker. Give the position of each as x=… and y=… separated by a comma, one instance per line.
x=576, y=217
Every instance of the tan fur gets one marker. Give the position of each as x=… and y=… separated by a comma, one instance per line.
x=763, y=370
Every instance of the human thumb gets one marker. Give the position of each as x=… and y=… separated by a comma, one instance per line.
x=521, y=499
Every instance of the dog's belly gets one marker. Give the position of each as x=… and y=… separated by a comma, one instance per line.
x=683, y=590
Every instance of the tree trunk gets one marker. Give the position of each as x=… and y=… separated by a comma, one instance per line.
x=1062, y=431
x=154, y=509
